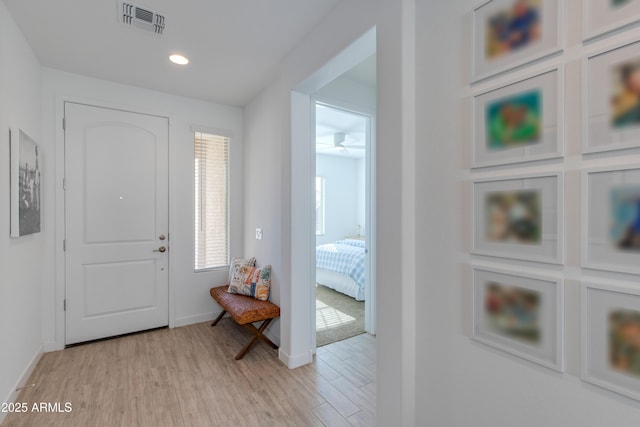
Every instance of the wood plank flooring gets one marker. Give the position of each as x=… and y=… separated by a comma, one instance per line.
x=188, y=377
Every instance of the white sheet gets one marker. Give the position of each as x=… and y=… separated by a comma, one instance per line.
x=339, y=282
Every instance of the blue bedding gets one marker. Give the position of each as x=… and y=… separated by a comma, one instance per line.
x=344, y=257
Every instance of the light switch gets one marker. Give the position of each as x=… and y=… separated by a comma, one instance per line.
x=258, y=233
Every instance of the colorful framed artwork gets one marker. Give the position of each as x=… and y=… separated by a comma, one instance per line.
x=520, y=314
x=519, y=122
x=601, y=17
x=511, y=33
x=611, y=223
x=612, y=100
x=26, y=161
x=519, y=218
x=610, y=331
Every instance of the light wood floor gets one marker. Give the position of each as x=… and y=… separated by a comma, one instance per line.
x=188, y=377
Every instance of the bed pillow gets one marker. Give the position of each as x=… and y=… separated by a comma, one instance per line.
x=239, y=262
x=352, y=242
x=252, y=281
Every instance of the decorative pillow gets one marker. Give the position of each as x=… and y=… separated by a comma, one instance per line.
x=252, y=281
x=239, y=262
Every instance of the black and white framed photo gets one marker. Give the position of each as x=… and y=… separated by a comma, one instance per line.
x=610, y=332
x=26, y=161
x=601, y=17
x=510, y=33
x=611, y=222
x=519, y=122
x=611, y=116
x=519, y=217
x=520, y=314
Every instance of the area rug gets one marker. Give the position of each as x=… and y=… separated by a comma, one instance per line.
x=338, y=316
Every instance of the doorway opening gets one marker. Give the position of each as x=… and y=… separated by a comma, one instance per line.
x=298, y=344
x=344, y=281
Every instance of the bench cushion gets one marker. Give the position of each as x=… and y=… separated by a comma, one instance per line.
x=244, y=309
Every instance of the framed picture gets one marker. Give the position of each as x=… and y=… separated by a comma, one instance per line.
x=604, y=16
x=610, y=332
x=26, y=161
x=611, y=223
x=510, y=33
x=520, y=314
x=612, y=99
x=520, y=122
x=519, y=218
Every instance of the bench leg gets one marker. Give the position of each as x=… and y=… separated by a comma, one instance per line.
x=215, y=322
x=257, y=334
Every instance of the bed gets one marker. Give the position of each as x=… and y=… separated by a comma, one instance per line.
x=341, y=266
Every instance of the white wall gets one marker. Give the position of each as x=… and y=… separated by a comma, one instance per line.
x=460, y=382
x=191, y=300
x=342, y=196
x=20, y=259
x=268, y=184
x=350, y=94
x=361, y=214
x=354, y=95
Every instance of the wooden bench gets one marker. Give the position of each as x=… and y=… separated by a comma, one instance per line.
x=245, y=311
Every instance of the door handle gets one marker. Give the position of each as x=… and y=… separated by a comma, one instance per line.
x=161, y=249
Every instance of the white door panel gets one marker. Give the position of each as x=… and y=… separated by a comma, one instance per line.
x=116, y=202
x=121, y=208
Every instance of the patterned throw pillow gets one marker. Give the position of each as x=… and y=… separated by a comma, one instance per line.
x=239, y=262
x=252, y=281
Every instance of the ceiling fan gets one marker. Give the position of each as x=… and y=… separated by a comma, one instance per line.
x=341, y=142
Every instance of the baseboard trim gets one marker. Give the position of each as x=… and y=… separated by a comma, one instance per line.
x=13, y=393
x=51, y=346
x=297, y=360
x=185, y=321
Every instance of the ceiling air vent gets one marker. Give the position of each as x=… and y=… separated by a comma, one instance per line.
x=132, y=15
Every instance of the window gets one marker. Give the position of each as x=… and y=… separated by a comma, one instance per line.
x=211, y=201
x=319, y=206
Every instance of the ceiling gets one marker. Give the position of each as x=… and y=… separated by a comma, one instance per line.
x=364, y=73
x=332, y=121
x=350, y=129
x=234, y=47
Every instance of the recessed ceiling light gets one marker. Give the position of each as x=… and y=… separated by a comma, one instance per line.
x=179, y=59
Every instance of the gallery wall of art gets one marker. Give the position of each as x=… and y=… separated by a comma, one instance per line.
x=552, y=173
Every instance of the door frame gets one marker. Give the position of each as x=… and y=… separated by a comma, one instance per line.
x=297, y=344
x=370, y=205
x=60, y=229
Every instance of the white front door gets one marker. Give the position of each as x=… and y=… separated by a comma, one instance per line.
x=116, y=220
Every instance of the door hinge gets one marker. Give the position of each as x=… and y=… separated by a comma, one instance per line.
x=64, y=304
x=64, y=245
x=64, y=123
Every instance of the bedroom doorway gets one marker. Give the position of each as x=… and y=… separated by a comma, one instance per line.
x=298, y=324
x=345, y=246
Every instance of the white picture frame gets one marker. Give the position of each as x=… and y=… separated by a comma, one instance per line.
x=605, y=128
x=600, y=18
x=519, y=217
x=610, y=198
x=25, y=192
x=496, y=54
x=542, y=95
x=607, y=309
x=521, y=314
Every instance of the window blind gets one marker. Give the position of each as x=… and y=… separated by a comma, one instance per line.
x=211, y=200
